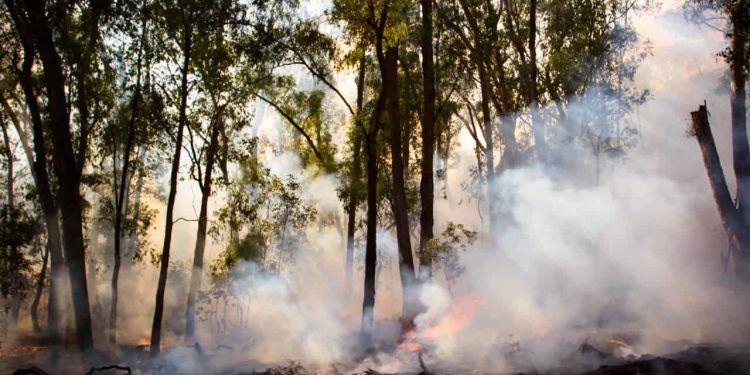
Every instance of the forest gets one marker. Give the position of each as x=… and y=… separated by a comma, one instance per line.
x=374, y=187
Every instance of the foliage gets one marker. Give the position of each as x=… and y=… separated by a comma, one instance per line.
x=17, y=230
x=274, y=222
x=444, y=250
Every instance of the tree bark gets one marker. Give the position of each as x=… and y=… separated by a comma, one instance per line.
x=155, y=346
x=400, y=213
x=427, y=182
x=738, y=66
x=39, y=170
x=351, y=208
x=489, y=149
x=536, y=122
x=368, y=301
x=66, y=169
x=134, y=244
x=10, y=196
x=200, y=242
x=39, y=290
x=371, y=256
x=23, y=137
x=121, y=193
x=732, y=221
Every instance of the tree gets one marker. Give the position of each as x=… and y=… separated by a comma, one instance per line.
x=34, y=26
x=121, y=190
x=181, y=21
x=735, y=219
x=427, y=185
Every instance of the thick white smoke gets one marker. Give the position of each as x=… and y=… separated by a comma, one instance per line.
x=637, y=256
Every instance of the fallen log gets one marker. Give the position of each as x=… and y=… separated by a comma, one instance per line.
x=110, y=367
x=30, y=371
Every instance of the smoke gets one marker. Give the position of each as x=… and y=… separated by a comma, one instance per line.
x=636, y=255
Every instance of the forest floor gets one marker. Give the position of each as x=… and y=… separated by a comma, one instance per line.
x=32, y=356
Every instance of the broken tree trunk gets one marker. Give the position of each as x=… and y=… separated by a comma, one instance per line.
x=732, y=221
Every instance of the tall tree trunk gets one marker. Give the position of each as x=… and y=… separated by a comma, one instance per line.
x=371, y=256
x=39, y=170
x=66, y=169
x=164, y=267
x=738, y=66
x=122, y=191
x=400, y=214
x=200, y=241
x=351, y=208
x=427, y=183
x=489, y=149
x=134, y=244
x=16, y=298
x=47, y=202
x=23, y=137
x=536, y=122
x=368, y=301
x=10, y=202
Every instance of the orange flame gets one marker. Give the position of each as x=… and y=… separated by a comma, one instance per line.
x=456, y=318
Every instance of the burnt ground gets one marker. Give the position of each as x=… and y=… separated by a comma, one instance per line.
x=37, y=359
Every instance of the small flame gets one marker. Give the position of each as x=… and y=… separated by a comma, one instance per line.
x=456, y=318
x=143, y=342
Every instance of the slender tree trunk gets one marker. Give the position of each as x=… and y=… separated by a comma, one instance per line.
x=164, y=267
x=10, y=195
x=368, y=302
x=489, y=149
x=121, y=192
x=23, y=137
x=10, y=201
x=427, y=183
x=39, y=168
x=351, y=209
x=133, y=245
x=371, y=257
x=11, y=207
x=200, y=241
x=536, y=122
x=47, y=202
x=738, y=66
x=400, y=214
x=39, y=290
x=66, y=169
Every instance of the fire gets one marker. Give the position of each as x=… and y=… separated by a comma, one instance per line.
x=459, y=314
x=410, y=346
x=143, y=342
x=457, y=317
